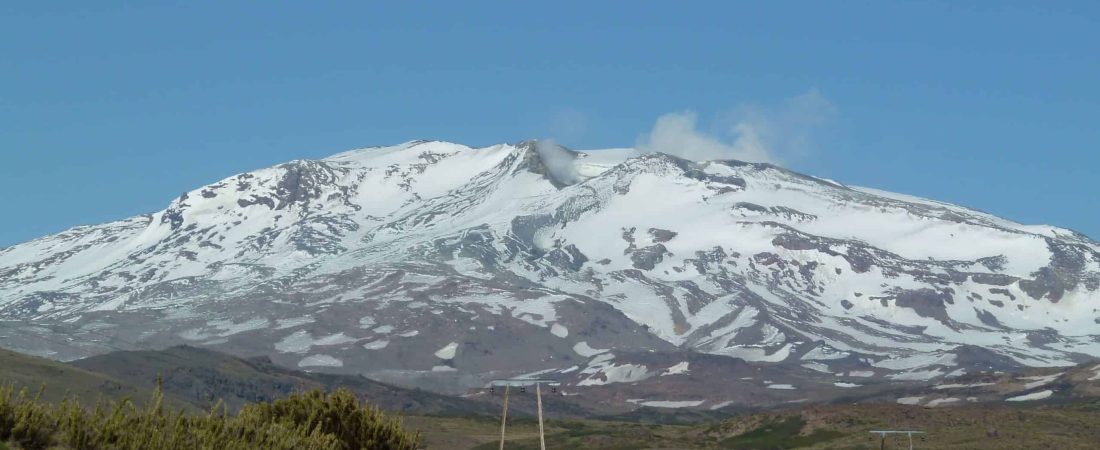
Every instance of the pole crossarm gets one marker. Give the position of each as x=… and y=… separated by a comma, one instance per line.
x=523, y=382
x=883, y=433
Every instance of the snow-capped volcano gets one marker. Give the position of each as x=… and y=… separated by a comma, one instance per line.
x=433, y=258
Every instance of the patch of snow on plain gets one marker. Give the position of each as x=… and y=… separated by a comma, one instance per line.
x=376, y=345
x=846, y=385
x=448, y=351
x=920, y=375
x=785, y=387
x=1032, y=396
x=229, y=328
x=819, y=353
x=582, y=348
x=301, y=341
x=667, y=403
x=282, y=324
x=320, y=361
x=910, y=400
x=1040, y=380
x=600, y=360
x=559, y=330
x=758, y=354
x=535, y=375
x=443, y=369
x=960, y=386
x=721, y=405
x=917, y=361
x=193, y=334
x=298, y=342
x=334, y=339
x=817, y=367
x=678, y=369
x=941, y=401
x=626, y=373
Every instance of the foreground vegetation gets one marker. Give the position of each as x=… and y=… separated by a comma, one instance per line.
x=180, y=415
x=312, y=420
x=811, y=427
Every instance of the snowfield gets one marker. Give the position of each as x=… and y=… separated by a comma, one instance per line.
x=1044, y=394
x=667, y=403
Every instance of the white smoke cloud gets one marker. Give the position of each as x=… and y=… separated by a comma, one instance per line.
x=558, y=161
x=750, y=133
x=676, y=134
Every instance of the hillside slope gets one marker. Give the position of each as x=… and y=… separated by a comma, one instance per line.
x=58, y=380
x=201, y=376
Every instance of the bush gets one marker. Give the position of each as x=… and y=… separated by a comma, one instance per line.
x=784, y=433
x=313, y=420
x=340, y=414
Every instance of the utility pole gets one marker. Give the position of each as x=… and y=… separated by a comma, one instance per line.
x=523, y=383
x=504, y=417
x=542, y=437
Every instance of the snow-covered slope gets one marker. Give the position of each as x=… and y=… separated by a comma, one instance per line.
x=433, y=259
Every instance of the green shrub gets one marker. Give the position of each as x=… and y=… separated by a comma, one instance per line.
x=312, y=421
x=339, y=414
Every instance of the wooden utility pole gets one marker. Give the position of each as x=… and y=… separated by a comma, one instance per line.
x=538, y=395
x=504, y=417
x=523, y=383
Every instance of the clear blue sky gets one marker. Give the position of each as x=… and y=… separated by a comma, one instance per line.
x=111, y=109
